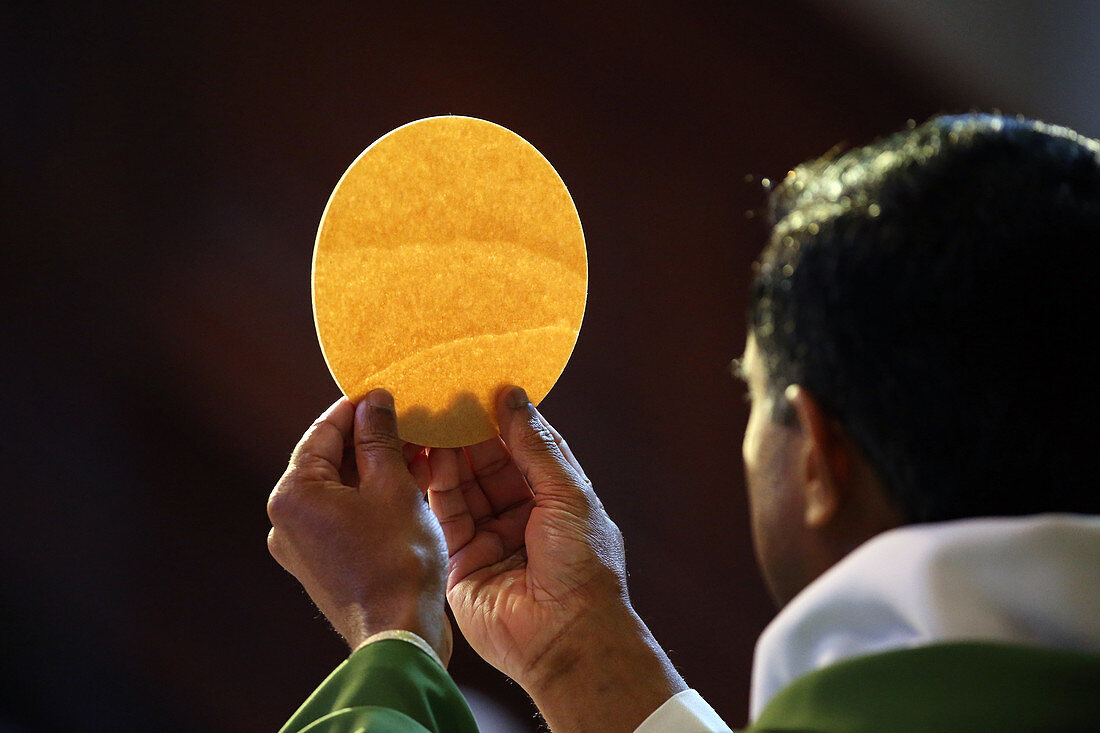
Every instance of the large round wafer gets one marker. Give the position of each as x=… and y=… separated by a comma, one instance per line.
x=449, y=262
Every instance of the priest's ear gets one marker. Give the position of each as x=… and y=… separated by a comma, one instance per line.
x=824, y=466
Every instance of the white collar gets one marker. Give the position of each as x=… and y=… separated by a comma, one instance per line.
x=1028, y=580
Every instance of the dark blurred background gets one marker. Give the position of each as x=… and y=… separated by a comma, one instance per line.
x=164, y=168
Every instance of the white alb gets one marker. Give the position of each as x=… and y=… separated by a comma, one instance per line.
x=1020, y=580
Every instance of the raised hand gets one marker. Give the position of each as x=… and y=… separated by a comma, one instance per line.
x=537, y=579
x=350, y=523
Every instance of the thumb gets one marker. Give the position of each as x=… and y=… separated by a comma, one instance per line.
x=532, y=445
x=378, y=450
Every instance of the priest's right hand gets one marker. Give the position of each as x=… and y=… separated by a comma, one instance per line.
x=537, y=577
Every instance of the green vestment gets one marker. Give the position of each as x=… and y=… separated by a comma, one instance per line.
x=944, y=688
x=389, y=686
x=393, y=687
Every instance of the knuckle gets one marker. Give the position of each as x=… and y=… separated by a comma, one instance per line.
x=612, y=551
x=275, y=544
x=307, y=469
x=378, y=443
x=467, y=485
x=427, y=559
x=617, y=536
x=593, y=507
x=496, y=465
x=421, y=563
x=555, y=436
x=537, y=437
x=281, y=506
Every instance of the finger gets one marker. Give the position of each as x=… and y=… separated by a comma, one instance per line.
x=446, y=499
x=568, y=454
x=565, y=450
x=476, y=538
x=349, y=473
x=479, y=505
x=499, y=477
x=410, y=451
x=533, y=447
x=323, y=443
x=511, y=526
x=417, y=461
x=378, y=450
x=486, y=550
x=420, y=471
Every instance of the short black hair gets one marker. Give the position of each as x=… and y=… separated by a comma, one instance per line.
x=932, y=291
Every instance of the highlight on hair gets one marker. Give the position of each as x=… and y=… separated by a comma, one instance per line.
x=931, y=290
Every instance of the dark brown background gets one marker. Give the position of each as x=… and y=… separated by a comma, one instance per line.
x=165, y=171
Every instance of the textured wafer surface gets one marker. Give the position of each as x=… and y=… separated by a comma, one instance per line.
x=449, y=262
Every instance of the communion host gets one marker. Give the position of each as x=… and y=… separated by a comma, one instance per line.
x=922, y=460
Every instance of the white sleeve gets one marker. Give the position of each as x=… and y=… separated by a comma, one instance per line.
x=403, y=635
x=684, y=712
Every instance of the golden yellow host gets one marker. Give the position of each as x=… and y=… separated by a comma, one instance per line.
x=449, y=262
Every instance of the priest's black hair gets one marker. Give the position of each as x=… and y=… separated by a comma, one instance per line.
x=935, y=291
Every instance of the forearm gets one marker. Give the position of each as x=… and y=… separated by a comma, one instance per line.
x=607, y=675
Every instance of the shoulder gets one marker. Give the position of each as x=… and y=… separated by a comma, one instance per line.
x=945, y=687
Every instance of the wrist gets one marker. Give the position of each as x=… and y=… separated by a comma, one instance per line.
x=427, y=620
x=404, y=636
x=607, y=673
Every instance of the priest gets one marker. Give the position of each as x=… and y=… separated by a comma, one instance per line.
x=920, y=460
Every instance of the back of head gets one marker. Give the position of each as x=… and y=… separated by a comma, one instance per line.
x=934, y=291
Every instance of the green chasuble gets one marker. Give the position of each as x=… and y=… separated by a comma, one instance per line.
x=966, y=687
x=389, y=686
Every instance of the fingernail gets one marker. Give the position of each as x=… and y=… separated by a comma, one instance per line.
x=517, y=398
x=381, y=398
